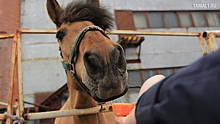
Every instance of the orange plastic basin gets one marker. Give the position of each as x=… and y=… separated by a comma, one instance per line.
x=122, y=109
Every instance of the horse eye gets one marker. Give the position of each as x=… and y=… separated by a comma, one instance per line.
x=60, y=35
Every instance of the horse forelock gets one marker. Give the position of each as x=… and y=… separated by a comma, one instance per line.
x=80, y=11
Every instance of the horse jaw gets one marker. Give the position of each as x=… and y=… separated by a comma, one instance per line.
x=106, y=89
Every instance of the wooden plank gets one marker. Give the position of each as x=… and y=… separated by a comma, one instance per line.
x=37, y=31
x=115, y=32
x=5, y=36
x=155, y=33
x=73, y=112
x=11, y=88
x=20, y=82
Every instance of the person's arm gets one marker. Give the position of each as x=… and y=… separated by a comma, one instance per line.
x=131, y=119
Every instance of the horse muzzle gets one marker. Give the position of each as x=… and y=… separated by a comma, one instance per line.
x=107, y=76
x=98, y=99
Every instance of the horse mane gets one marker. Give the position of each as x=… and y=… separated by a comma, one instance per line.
x=80, y=11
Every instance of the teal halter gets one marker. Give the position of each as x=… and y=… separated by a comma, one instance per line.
x=70, y=65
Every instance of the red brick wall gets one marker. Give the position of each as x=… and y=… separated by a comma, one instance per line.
x=124, y=20
x=9, y=22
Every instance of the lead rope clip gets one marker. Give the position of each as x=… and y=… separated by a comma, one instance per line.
x=101, y=104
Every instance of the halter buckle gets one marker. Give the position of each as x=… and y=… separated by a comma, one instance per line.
x=71, y=68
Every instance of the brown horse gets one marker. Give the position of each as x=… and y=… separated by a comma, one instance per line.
x=95, y=65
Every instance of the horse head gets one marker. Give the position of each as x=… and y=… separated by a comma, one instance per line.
x=96, y=62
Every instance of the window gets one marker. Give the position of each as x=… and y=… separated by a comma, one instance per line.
x=199, y=19
x=166, y=72
x=213, y=18
x=156, y=20
x=137, y=77
x=176, y=19
x=185, y=19
x=140, y=20
x=134, y=78
x=171, y=19
x=148, y=74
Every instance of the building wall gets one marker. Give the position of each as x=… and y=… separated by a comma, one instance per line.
x=42, y=70
x=164, y=51
x=9, y=22
x=158, y=5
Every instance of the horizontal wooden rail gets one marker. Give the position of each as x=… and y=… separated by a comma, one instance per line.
x=115, y=32
x=37, y=31
x=2, y=117
x=5, y=104
x=73, y=112
x=160, y=33
x=5, y=36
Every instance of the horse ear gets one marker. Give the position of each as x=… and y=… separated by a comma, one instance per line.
x=54, y=10
x=96, y=2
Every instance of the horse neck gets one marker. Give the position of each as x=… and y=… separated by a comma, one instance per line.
x=78, y=98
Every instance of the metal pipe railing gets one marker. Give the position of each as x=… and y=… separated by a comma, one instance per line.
x=207, y=34
x=210, y=37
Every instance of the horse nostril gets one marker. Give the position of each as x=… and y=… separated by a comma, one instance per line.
x=93, y=65
x=121, y=60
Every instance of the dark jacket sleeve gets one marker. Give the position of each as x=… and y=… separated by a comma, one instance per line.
x=190, y=96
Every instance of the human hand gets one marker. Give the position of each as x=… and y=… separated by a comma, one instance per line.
x=120, y=119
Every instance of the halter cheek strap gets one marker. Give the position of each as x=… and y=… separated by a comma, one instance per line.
x=70, y=65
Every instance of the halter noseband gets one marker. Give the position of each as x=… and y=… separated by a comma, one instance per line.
x=70, y=65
